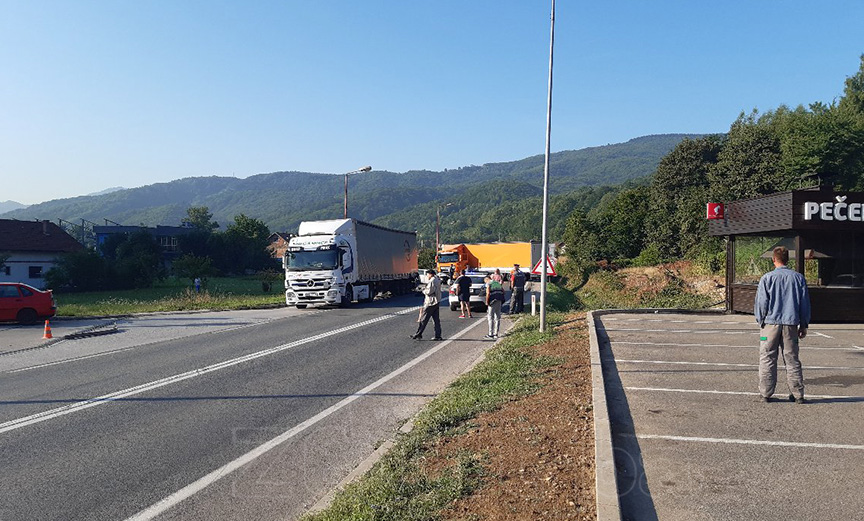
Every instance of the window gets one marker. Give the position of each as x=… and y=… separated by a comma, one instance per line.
x=9, y=292
x=35, y=272
x=6, y=270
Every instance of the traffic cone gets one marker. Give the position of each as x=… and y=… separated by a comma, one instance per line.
x=47, y=334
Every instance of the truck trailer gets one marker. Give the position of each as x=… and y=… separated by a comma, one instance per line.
x=339, y=261
x=487, y=257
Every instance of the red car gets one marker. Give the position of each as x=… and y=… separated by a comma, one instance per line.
x=24, y=303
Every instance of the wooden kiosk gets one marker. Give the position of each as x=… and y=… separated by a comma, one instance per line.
x=822, y=227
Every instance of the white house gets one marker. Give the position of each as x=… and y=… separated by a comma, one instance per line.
x=32, y=247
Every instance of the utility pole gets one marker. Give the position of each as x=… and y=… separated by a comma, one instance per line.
x=544, y=259
x=364, y=169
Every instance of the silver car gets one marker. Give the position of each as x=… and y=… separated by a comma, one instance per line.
x=478, y=293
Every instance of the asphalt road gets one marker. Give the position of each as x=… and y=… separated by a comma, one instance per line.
x=692, y=440
x=246, y=415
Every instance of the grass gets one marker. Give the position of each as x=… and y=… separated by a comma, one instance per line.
x=171, y=295
x=397, y=488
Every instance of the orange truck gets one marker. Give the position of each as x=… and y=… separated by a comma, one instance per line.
x=486, y=257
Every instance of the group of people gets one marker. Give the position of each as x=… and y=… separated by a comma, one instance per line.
x=494, y=300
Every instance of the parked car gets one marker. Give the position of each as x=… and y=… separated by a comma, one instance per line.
x=478, y=293
x=24, y=303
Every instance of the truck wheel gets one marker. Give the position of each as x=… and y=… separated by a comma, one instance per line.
x=301, y=306
x=349, y=295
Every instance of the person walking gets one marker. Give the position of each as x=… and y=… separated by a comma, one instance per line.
x=463, y=293
x=431, y=307
x=517, y=284
x=782, y=310
x=494, y=301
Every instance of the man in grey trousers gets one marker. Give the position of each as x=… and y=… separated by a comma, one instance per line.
x=782, y=310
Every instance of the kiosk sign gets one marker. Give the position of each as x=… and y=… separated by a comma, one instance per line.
x=837, y=210
x=714, y=211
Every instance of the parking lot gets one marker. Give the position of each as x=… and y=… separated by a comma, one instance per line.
x=693, y=441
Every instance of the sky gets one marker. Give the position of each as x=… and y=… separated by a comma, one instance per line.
x=101, y=94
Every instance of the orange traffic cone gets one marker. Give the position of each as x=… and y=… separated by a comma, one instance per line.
x=47, y=334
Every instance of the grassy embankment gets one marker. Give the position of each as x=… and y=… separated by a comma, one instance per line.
x=397, y=488
x=171, y=295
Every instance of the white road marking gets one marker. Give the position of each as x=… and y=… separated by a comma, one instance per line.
x=132, y=391
x=690, y=331
x=750, y=442
x=195, y=487
x=739, y=393
x=722, y=364
x=752, y=346
x=820, y=334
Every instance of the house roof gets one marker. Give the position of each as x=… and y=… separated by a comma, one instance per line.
x=38, y=236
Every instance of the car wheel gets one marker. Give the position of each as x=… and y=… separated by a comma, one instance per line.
x=27, y=316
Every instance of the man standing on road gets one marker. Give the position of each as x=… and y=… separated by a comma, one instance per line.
x=494, y=300
x=782, y=310
x=517, y=284
x=463, y=283
x=432, y=291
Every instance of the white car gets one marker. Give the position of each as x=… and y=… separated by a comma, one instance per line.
x=478, y=293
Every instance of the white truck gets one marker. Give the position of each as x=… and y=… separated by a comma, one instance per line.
x=339, y=261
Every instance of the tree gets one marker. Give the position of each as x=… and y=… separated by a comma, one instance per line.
x=679, y=185
x=200, y=218
x=244, y=245
x=191, y=267
x=138, y=261
x=620, y=223
x=84, y=270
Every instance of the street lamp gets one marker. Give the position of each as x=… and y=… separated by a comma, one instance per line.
x=364, y=169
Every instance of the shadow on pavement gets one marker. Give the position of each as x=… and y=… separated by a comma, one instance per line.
x=635, y=496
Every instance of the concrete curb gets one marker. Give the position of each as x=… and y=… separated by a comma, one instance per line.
x=608, y=501
x=606, y=486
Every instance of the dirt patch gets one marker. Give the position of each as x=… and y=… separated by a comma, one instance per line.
x=537, y=451
x=651, y=280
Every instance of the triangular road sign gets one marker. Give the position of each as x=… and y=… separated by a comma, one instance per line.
x=550, y=267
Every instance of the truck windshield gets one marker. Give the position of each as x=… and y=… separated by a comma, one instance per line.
x=450, y=256
x=313, y=260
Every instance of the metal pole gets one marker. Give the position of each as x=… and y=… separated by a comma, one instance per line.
x=346, y=197
x=544, y=259
x=438, y=233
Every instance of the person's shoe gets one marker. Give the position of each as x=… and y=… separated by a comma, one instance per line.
x=489, y=336
x=461, y=316
x=800, y=400
x=791, y=398
x=437, y=338
x=764, y=399
x=416, y=336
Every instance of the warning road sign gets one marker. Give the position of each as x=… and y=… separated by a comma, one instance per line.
x=550, y=267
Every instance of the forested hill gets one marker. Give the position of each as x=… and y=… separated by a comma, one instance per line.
x=408, y=200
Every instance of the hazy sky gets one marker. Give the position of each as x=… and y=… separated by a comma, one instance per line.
x=97, y=94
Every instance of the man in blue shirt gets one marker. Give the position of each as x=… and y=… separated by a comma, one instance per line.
x=782, y=310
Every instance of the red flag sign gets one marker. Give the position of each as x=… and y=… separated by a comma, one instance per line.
x=715, y=211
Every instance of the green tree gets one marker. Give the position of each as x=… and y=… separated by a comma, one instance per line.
x=138, y=261
x=678, y=193
x=191, y=267
x=84, y=270
x=200, y=218
x=620, y=223
x=244, y=245
x=426, y=258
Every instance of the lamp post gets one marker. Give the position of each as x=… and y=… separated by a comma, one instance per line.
x=364, y=169
x=544, y=259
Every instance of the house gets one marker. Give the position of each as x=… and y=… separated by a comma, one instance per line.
x=278, y=244
x=32, y=247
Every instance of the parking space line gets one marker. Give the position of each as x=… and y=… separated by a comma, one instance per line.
x=738, y=393
x=751, y=346
x=821, y=334
x=724, y=364
x=691, y=331
x=734, y=441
